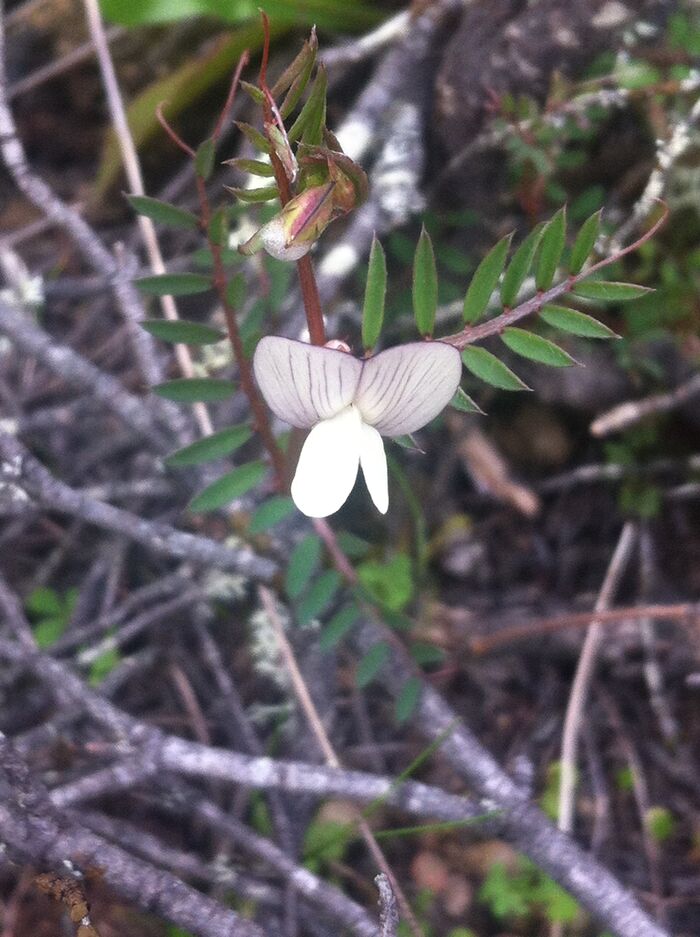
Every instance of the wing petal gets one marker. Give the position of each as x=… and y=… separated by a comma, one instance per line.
x=302, y=383
x=328, y=464
x=403, y=388
x=373, y=462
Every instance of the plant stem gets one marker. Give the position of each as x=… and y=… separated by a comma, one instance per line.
x=260, y=414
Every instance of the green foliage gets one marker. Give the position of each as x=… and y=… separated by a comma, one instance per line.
x=660, y=823
x=464, y=403
x=204, y=158
x=163, y=212
x=174, y=284
x=485, y=280
x=624, y=779
x=229, y=487
x=536, y=348
x=407, y=700
x=584, y=243
x=253, y=167
x=102, y=666
x=389, y=583
x=296, y=76
x=371, y=663
x=215, y=446
x=326, y=841
x=549, y=799
x=375, y=292
x=526, y=892
x=308, y=126
x=425, y=284
x=353, y=546
x=490, y=369
x=609, y=292
x=302, y=565
x=270, y=513
x=338, y=626
x=328, y=14
x=180, y=330
x=50, y=612
x=551, y=249
x=264, y=194
x=426, y=654
x=519, y=267
x=195, y=389
x=640, y=499
x=319, y=596
x=574, y=322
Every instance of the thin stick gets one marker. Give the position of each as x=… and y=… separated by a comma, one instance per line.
x=133, y=173
x=584, y=672
x=388, y=912
x=307, y=704
x=626, y=414
x=484, y=644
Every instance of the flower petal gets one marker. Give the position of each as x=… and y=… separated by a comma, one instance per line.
x=328, y=464
x=403, y=388
x=373, y=462
x=302, y=383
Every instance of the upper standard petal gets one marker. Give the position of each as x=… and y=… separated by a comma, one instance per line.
x=403, y=388
x=304, y=384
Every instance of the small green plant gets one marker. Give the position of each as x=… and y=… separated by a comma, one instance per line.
x=50, y=612
x=660, y=823
x=526, y=893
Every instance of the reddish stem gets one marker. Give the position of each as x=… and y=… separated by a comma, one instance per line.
x=257, y=405
x=226, y=110
x=177, y=140
x=260, y=416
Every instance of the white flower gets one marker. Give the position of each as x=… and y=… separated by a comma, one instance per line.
x=351, y=404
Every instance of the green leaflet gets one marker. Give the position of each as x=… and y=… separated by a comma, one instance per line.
x=609, y=291
x=232, y=485
x=195, y=389
x=425, y=284
x=338, y=627
x=163, y=212
x=375, y=292
x=552, y=245
x=464, y=403
x=585, y=242
x=485, y=280
x=174, y=284
x=575, y=322
x=371, y=664
x=270, y=513
x=490, y=369
x=210, y=447
x=519, y=267
x=303, y=563
x=536, y=348
x=182, y=330
x=319, y=596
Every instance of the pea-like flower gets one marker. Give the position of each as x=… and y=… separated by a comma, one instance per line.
x=349, y=405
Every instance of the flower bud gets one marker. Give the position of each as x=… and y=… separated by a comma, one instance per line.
x=293, y=232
